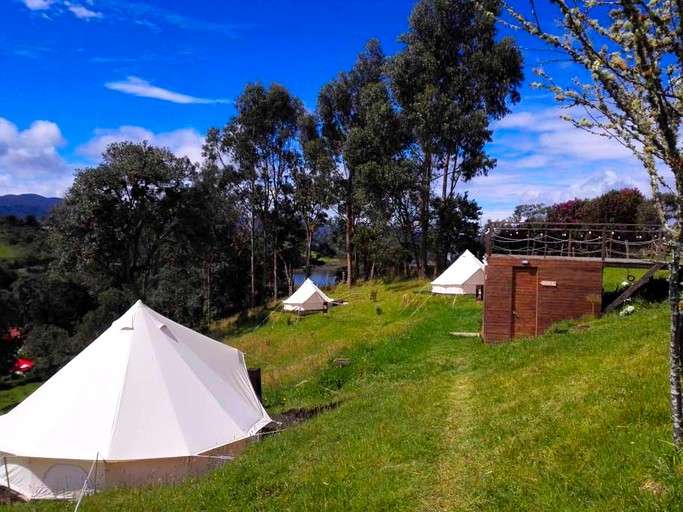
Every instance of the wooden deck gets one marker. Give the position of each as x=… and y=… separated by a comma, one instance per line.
x=607, y=262
x=637, y=246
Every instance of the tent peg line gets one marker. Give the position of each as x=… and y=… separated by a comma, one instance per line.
x=420, y=306
x=85, y=482
x=267, y=317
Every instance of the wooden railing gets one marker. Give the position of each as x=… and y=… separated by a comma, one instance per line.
x=604, y=241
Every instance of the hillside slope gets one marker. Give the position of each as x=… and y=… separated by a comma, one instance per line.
x=423, y=420
x=23, y=205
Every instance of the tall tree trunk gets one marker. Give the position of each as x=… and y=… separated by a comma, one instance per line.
x=265, y=263
x=275, y=290
x=289, y=274
x=208, y=290
x=309, y=242
x=424, y=214
x=454, y=175
x=675, y=342
x=252, y=263
x=444, y=183
x=349, y=244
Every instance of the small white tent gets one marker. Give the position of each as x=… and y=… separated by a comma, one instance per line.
x=307, y=298
x=148, y=401
x=462, y=277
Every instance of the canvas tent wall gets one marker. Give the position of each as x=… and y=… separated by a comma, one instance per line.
x=307, y=298
x=149, y=400
x=462, y=277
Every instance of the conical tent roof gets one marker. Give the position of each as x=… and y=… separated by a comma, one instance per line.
x=308, y=296
x=146, y=388
x=460, y=271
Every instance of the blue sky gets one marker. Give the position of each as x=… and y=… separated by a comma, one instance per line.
x=78, y=74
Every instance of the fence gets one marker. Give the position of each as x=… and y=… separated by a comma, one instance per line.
x=604, y=241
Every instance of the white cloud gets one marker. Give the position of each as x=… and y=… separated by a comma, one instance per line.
x=31, y=151
x=38, y=5
x=137, y=13
x=139, y=87
x=183, y=142
x=544, y=159
x=29, y=159
x=61, y=6
x=81, y=12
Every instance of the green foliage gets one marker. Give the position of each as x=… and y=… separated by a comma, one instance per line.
x=50, y=347
x=119, y=221
x=260, y=141
x=22, y=242
x=451, y=80
x=43, y=300
x=455, y=225
x=364, y=134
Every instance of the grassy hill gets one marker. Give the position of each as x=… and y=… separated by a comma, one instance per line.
x=423, y=420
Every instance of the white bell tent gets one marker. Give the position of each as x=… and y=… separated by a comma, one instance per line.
x=462, y=277
x=307, y=298
x=149, y=401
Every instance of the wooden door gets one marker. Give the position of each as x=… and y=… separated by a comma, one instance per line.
x=524, y=302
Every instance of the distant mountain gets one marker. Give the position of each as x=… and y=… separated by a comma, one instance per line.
x=23, y=205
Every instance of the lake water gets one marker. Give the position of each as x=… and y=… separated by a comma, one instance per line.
x=321, y=277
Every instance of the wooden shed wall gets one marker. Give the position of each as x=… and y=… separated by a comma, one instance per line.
x=529, y=288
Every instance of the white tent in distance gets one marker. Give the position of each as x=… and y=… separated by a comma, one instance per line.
x=462, y=277
x=148, y=401
x=307, y=299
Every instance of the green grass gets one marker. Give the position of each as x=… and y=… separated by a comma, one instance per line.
x=428, y=421
x=9, y=252
x=613, y=277
x=11, y=397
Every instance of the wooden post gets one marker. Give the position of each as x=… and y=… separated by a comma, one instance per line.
x=255, y=378
x=489, y=239
x=4, y=460
x=604, y=244
x=94, y=486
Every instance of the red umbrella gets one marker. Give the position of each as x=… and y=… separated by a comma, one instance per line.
x=22, y=365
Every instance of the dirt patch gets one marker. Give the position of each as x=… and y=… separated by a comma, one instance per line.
x=8, y=497
x=654, y=487
x=295, y=416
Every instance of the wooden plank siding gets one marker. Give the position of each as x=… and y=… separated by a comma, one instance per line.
x=524, y=300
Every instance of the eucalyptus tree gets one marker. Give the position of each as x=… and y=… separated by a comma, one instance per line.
x=339, y=108
x=377, y=149
x=630, y=55
x=452, y=78
x=312, y=179
x=260, y=141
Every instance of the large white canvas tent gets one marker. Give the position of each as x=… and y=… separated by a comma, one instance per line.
x=307, y=298
x=462, y=277
x=148, y=401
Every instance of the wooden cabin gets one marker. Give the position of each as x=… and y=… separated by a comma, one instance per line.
x=539, y=275
x=523, y=296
